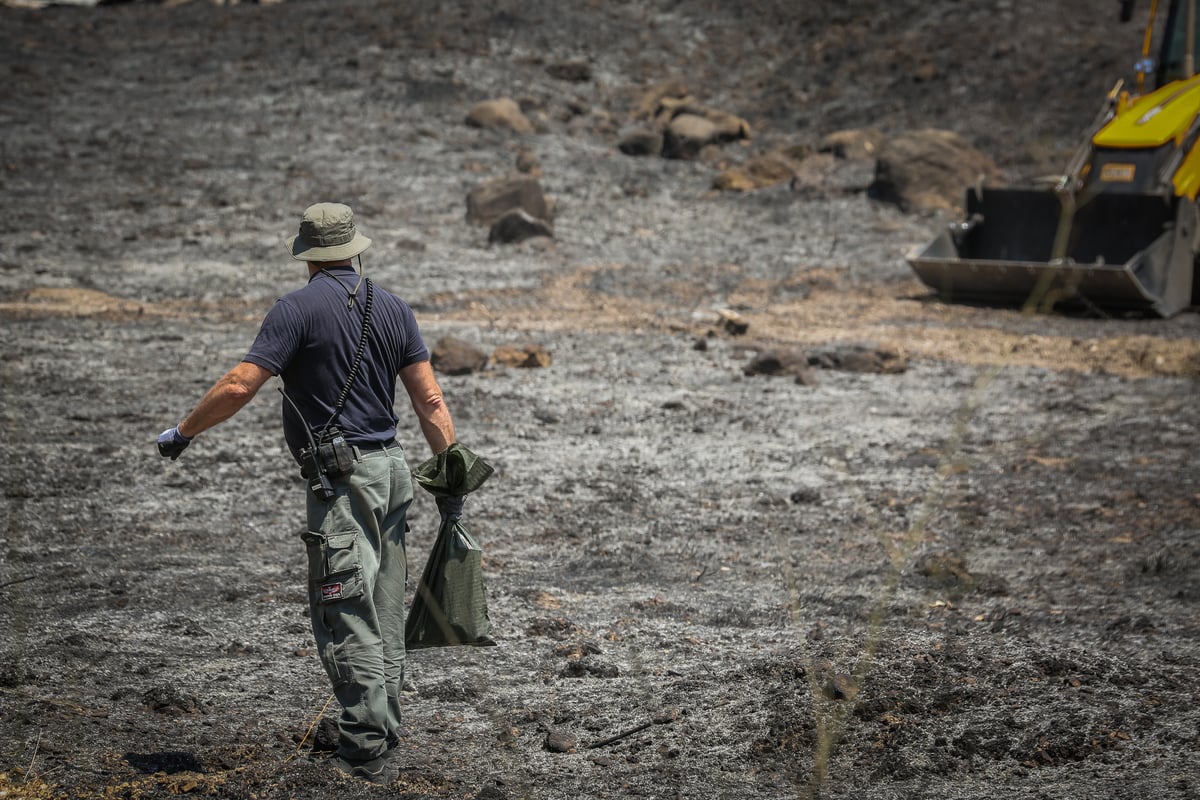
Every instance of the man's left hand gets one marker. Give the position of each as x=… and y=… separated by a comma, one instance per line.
x=171, y=443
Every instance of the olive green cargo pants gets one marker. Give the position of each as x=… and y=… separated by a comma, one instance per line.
x=357, y=571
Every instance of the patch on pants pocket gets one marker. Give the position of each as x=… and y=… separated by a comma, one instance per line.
x=334, y=566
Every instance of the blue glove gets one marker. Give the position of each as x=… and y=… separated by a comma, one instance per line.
x=450, y=508
x=171, y=443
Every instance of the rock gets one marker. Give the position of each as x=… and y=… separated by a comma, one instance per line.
x=825, y=173
x=834, y=175
x=945, y=570
x=805, y=496
x=527, y=163
x=503, y=112
x=530, y=356
x=652, y=99
x=860, y=358
x=686, y=135
x=517, y=226
x=686, y=126
x=777, y=362
x=853, y=143
x=640, y=141
x=170, y=700
x=667, y=715
x=325, y=736
x=560, y=742
x=757, y=173
x=844, y=162
x=730, y=127
x=796, y=151
x=733, y=323
x=454, y=356
x=574, y=71
x=587, y=666
x=782, y=363
x=692, y=127
x=840, y=686
x=492, y=199
x=806, y=377
x=929, y=170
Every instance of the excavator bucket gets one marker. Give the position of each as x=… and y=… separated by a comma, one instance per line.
x=1117, y=252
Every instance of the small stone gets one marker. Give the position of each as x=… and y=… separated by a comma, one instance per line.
x=560, y=742
x=503, y=112
x=573, y=71
x=669, y=714
x=528, y=164
x=733, y=322
x=517, y=226
x=639, y=141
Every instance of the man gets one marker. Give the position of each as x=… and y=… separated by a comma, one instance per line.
x=338, y=344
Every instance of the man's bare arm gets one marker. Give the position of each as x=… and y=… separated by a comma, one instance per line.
x=427, y=401
x=225, y=398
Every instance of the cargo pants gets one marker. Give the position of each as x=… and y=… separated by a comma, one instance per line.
x=357, y=571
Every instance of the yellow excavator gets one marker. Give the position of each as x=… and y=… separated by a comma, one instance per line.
x=1119, y=231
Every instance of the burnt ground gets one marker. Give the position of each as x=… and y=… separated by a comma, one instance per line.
x=973, y=578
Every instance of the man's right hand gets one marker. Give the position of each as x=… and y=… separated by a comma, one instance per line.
x=450, y=508
x=171, y=443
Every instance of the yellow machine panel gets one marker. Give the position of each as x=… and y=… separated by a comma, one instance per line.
x=1154, y=119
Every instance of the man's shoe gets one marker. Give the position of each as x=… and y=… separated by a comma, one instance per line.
x=381, y=770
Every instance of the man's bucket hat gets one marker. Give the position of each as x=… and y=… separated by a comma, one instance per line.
x=327, y=233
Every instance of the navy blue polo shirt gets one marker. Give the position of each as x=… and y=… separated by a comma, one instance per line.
x=309, y=338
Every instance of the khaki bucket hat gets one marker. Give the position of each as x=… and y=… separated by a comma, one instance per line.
x=327, y=233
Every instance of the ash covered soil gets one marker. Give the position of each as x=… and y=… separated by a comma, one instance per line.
x=973, y=577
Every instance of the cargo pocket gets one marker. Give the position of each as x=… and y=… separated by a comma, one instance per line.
x=334, y=566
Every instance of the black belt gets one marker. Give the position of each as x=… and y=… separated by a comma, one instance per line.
x=367, y=447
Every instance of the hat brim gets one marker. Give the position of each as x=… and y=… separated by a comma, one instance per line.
x=302, y=252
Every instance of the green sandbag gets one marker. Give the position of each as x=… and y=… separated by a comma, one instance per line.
x=450, y=607
x=454, y=471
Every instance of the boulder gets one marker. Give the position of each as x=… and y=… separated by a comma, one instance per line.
x=516, y=226
x=757, y=173
x=823, y=173
x=853, y=143
x=454, y=356
x=689, y=126
x=528, y=357
x=670, y=122
x=686, y=135
x=492, y=199
x=929, y=170
x=860, y=358
x=652, y=99
x=730, y=127
x=503, y=112
x=778, y=362
x=640, y=141
x=732, y=322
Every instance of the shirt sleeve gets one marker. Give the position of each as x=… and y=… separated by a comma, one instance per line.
x=279, y=338
x=416, y=350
